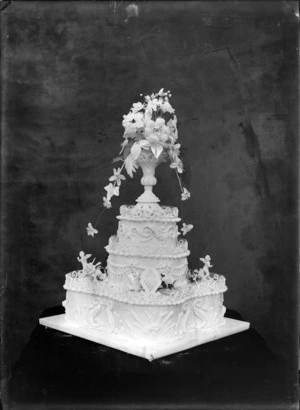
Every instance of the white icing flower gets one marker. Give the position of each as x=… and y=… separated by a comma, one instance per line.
x=106, y=203
x=174, y=151
x=111, y=191
x=186, y=228
x=166, y=107
x=102, y=276
x=168, y=279
x=98, y=275
x=137, y=107
x=117, y=177
x=185, y=194
x=153, y=104
x=177, y=165
x=133, y=120
x=172, y=125
x=90, y=230
x=156, y=133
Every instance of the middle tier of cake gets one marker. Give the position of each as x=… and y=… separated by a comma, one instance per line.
x=146, y=248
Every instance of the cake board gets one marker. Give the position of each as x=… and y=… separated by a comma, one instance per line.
x=142, y=348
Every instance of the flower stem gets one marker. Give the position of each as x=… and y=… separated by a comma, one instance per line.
x=181, y=209
x=179, y=180
x=99, y=217
x=180, y=185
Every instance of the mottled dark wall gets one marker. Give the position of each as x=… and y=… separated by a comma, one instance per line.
x=69, y=73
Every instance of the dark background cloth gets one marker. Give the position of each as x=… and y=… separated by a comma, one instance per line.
x=57, y=370
x=71, y=70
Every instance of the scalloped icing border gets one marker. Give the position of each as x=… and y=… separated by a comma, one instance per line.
x=162, y=214
x=211, y=286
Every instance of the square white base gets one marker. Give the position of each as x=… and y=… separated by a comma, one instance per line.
x=145, y=349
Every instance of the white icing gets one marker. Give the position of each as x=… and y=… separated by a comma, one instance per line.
x=210, y=286
x=164, y=323
x=149, y=211
x=131, y=299
x=178, y=250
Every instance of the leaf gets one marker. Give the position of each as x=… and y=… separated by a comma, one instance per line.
x=144, y=144
x=117, y=159
x=136, y=150
x=157, y=150
x=130, y=165
x=124, y=143
x=127, y=149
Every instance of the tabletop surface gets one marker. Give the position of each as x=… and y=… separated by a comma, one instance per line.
x=57, y=370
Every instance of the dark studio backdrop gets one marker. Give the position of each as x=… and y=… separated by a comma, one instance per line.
x=71, y=70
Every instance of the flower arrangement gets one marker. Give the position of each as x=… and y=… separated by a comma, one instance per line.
x=150, y=125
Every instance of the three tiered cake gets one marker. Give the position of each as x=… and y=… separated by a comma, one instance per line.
x=146, y=301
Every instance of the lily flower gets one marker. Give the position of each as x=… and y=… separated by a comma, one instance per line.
x=167, y=107
x=106, y=202
x=117, y=177
x=90, y=230
x=186, y=228
x=177, y=165
x=174, y=150
x=185, y=194
x=111, y=191
x=137, y=107
x=134, y=120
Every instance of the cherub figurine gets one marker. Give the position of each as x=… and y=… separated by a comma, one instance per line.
x=82, y=258
x=87, y=267
x=204, y=272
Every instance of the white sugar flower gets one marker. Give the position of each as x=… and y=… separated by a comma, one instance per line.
x=137, y=107
x=133, y=120
x=106, y=203
x=111, y=191
x=185, y=194
x=167, y=107
x=90, y=230
x=177, y=165
x=172, y=125
x=168, y=279
x=102, y=276
x=117, y=177
x=174, y=151
x=161, y=92
x=153, y=104
x=186, y=228
x=156, y=131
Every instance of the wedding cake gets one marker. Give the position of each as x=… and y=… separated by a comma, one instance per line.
x=146, y=300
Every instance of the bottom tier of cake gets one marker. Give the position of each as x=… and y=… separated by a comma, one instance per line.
x=146, y=324
x=164, y=323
